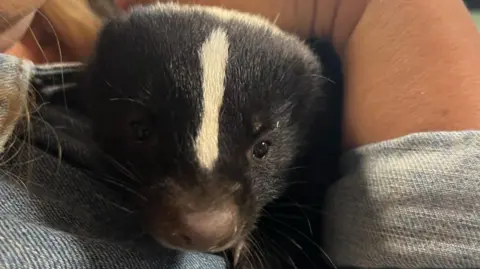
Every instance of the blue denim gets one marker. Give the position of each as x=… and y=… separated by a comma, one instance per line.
x=410, y=202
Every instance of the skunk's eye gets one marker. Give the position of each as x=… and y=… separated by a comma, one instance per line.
x=260, y=149
x=140, y=131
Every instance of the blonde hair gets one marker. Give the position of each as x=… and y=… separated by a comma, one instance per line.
x=75, y=25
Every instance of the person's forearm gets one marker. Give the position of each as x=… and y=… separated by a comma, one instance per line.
x=411, y=66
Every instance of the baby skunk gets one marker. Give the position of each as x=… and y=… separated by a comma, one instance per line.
x=211, y=110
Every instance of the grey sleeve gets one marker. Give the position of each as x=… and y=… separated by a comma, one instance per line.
x=411, y=202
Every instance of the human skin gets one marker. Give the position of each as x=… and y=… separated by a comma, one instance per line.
x=49, y=38
x=12, y=11
x=15, y=18
x=409, y=66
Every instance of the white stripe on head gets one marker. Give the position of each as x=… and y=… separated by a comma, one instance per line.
x=213, y=61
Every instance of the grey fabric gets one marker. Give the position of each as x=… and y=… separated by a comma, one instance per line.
x=56, y=214
x=412, y=202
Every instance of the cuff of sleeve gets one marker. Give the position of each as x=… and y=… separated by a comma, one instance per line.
x=411, y=202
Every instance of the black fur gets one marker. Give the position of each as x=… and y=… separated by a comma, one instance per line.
x=146, y=69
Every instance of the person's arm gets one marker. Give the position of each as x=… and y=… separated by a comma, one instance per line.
x=411, y=66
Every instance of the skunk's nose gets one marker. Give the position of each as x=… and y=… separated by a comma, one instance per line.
x=205, y=219
x=204, y=231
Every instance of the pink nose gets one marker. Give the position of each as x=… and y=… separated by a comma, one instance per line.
x=211, y=231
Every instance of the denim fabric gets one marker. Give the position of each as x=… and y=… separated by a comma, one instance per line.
x=53, y=212
x=411, y=202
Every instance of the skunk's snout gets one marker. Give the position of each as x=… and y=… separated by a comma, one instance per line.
x=209, y=219
x=208, y=231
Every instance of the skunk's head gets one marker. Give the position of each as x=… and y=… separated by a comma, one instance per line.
x=208, y=108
